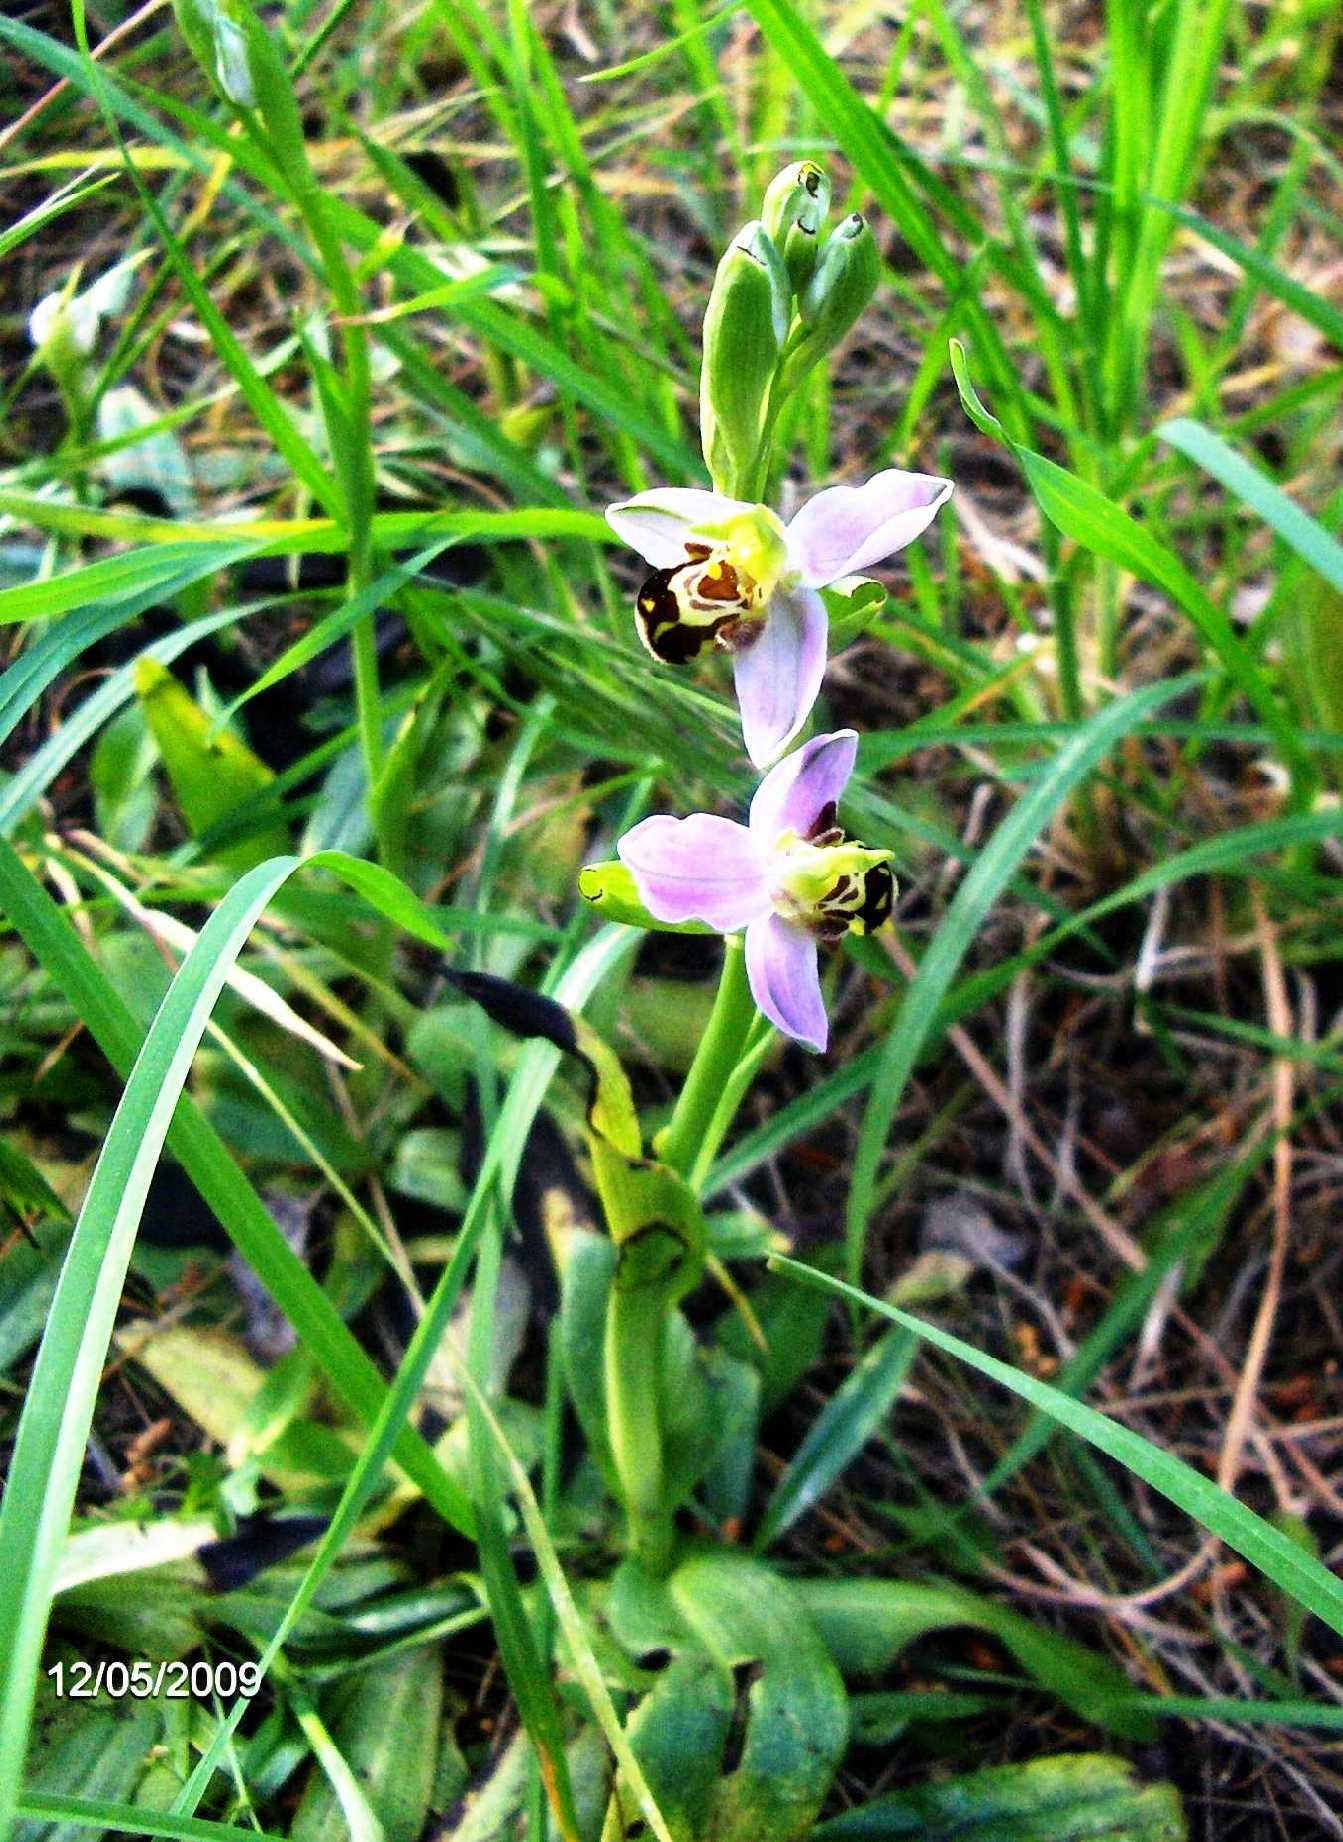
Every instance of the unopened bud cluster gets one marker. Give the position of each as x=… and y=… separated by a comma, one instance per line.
x=784, y=295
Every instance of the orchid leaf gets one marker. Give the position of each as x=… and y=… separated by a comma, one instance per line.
x=213, y=773
x=387, y=1729
x=866, y=1624
x=744, y=1614
x=588, y=1272
x=1077, y=1797
x=678, y=1733
x=755, y=1630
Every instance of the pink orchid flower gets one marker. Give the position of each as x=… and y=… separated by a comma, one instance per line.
x=731, y=572
x=789, y=878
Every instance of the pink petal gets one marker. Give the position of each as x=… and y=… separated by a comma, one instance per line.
x=781, y=964
x=793, y=795
x=657, y=523
x=779, y=675
x=697, y=869
x=846, y=528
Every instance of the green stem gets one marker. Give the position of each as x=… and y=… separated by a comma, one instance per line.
x=759, y=1041
x=638, y=1315
x=636, y=1330
x=354, y=464
x=715, y=1060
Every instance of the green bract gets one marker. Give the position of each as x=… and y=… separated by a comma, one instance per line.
x=745, y=325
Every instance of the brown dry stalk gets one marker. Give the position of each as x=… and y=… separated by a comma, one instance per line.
x=114, y=37
x=1245, y=1402
x=1116, y=1237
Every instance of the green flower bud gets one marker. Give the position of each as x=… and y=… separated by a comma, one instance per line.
x=845, y=279
x=64, y=328
x=794, y=216
x=217, y=35
x=745, y=325
x=64, y=333
x=846, y=276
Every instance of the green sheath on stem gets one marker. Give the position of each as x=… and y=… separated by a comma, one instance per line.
x=636, y=1328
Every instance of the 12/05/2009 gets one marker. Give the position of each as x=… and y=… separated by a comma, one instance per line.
x=177, y=1680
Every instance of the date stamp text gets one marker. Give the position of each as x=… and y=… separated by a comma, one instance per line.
x=144, y=1681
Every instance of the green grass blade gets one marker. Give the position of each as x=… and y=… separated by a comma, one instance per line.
x=304, y=536
x=118, y=579
x=133, y=1820
x=1186, y=1227
x=852, y=1416
x=1297, y=529
x=991, y=870
x=262, y=399
x=50, y=209
x=58, y=1413
x=1313, y=308
x=52, y=941
x=1064, y=190
x=1199, y=33
x=1307, y=1581
x=334, y=627
x=1084, y=514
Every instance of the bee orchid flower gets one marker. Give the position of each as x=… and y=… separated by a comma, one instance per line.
x=789, y=879
x=730, y=572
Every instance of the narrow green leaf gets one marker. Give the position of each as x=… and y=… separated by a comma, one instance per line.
x=852, y=1415
x=1078, y=1797
x=52, y=941
x=54, y=1427
x=212, y=771
x=387, y=1730
x=1313, y=308
x=1276, y=1555
x=133, y=1820
x=991, y=870
x=1082, y=513
x=1302, y=533
x=867, y=1625
x=133, y=580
